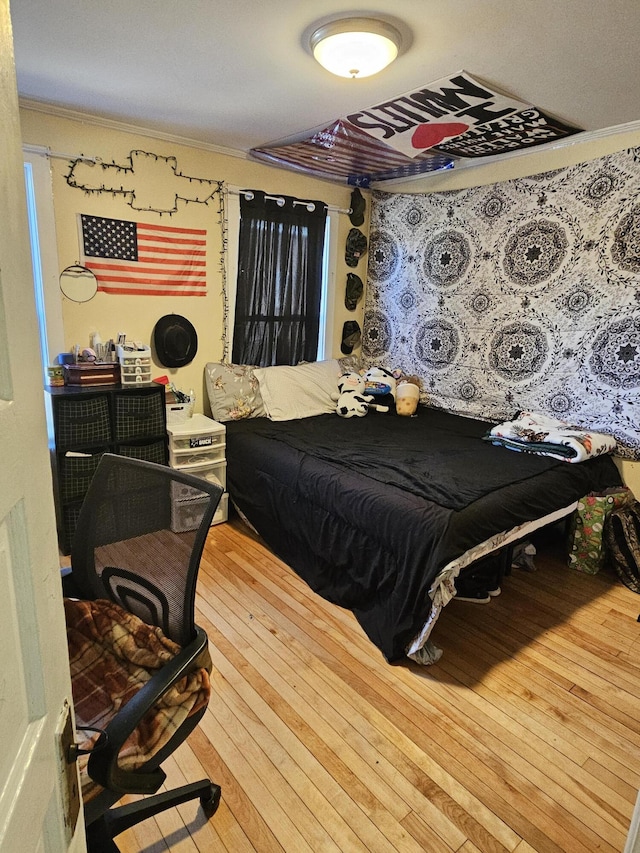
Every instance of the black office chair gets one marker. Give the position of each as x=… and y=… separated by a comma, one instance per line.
x=138, y=544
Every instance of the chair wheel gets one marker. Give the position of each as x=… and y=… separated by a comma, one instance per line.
x=211, y=801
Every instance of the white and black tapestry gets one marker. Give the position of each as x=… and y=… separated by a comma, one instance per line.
x=519, y=295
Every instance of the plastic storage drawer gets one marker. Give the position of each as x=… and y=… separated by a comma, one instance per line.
x=207, y=470
x=195, y=440
x=182, y=492
x=194, y=432
x=222, y=512
x=185, y=514
x=135, y=366
x=199, y=456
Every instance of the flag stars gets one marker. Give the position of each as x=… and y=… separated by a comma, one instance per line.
x=110, y=238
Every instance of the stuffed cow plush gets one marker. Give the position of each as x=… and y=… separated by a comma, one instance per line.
x=381, y=384
x=351, y=400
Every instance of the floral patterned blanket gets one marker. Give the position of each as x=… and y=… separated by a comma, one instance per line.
x=112, y=655
x=534, y=432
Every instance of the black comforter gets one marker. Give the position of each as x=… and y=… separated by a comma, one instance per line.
x=368, y=510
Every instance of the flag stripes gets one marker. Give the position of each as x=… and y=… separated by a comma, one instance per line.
x=144, y=259
x=345, y=151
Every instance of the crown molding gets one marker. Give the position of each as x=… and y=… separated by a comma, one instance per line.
x=126, y=127
x=470, y=163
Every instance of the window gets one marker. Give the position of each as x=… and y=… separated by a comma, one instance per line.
x=281, y=261
x=44, y=255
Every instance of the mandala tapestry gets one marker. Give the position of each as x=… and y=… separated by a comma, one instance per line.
x=518, y=295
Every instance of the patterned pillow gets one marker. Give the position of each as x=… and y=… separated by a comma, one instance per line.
x=350, y=363
x=233, y=391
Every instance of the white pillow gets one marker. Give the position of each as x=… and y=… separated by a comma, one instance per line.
x=290, y=393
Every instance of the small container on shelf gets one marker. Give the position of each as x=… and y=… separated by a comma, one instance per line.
x=92, y=373
x=178, y=413
x=135, y=365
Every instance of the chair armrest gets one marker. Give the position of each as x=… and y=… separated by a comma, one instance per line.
x=103, y=761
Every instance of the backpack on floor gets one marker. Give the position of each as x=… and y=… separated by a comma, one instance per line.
x=622, y=538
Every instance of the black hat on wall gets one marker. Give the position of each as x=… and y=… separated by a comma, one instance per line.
x=356, y=247
x=351, y=336
x=175, y=340
x=357, y=207
x=353, y=291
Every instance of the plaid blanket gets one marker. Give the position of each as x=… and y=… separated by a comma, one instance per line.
x=112, y=655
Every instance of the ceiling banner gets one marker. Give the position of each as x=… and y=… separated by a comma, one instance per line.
x=425, y=130
x=344, y=152
x=521, y=130
x=427, y=117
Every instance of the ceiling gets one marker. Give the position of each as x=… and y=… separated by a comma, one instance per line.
x=238, y=74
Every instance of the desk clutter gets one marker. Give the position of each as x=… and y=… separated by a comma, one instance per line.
x=108, y=363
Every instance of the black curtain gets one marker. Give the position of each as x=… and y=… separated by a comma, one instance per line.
x=277, y=312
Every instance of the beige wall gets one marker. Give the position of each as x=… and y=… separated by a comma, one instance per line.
x=519, y=166
x=136, y=315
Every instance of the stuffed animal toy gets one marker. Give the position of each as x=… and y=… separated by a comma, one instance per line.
x=407, y=395
x=351, y=399
x=381, y=384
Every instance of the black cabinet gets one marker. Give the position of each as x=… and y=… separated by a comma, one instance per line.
x=89, y=421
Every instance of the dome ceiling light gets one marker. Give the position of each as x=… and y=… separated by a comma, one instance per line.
x=355, y=47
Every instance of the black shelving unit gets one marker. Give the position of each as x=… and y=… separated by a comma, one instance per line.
x=129, y=420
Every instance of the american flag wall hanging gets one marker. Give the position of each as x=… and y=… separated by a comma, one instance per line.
x=425, y=130
x=143, y=259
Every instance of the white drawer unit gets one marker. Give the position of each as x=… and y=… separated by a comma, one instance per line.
x=135, y=366
x=196, y=456
x=197, y=446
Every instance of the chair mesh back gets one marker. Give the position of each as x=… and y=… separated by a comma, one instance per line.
x=139, y=540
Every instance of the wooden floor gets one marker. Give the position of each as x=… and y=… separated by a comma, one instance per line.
x=524, y=737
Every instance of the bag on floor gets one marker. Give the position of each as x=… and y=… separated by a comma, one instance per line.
x=586, y=542
x=622, y=538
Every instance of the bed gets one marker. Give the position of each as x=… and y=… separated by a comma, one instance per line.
x=379, y=514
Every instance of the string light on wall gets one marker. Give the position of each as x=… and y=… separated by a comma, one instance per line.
x=167, y=187
x=355, y=47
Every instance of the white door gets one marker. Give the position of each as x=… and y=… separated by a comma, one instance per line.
x=38, y=799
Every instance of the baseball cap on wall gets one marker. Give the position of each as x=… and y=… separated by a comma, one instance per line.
x=353, y=291
x=351, y=336
x=357, y=207
x=356, y=247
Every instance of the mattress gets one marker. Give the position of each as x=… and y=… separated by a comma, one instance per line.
x=376, y=513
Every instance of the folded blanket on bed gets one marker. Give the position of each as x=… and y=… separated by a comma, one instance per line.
x=534, y=432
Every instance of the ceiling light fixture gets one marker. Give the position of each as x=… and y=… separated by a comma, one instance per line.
x=355, y=47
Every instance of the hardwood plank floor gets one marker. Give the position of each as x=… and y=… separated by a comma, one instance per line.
x=525, y=737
